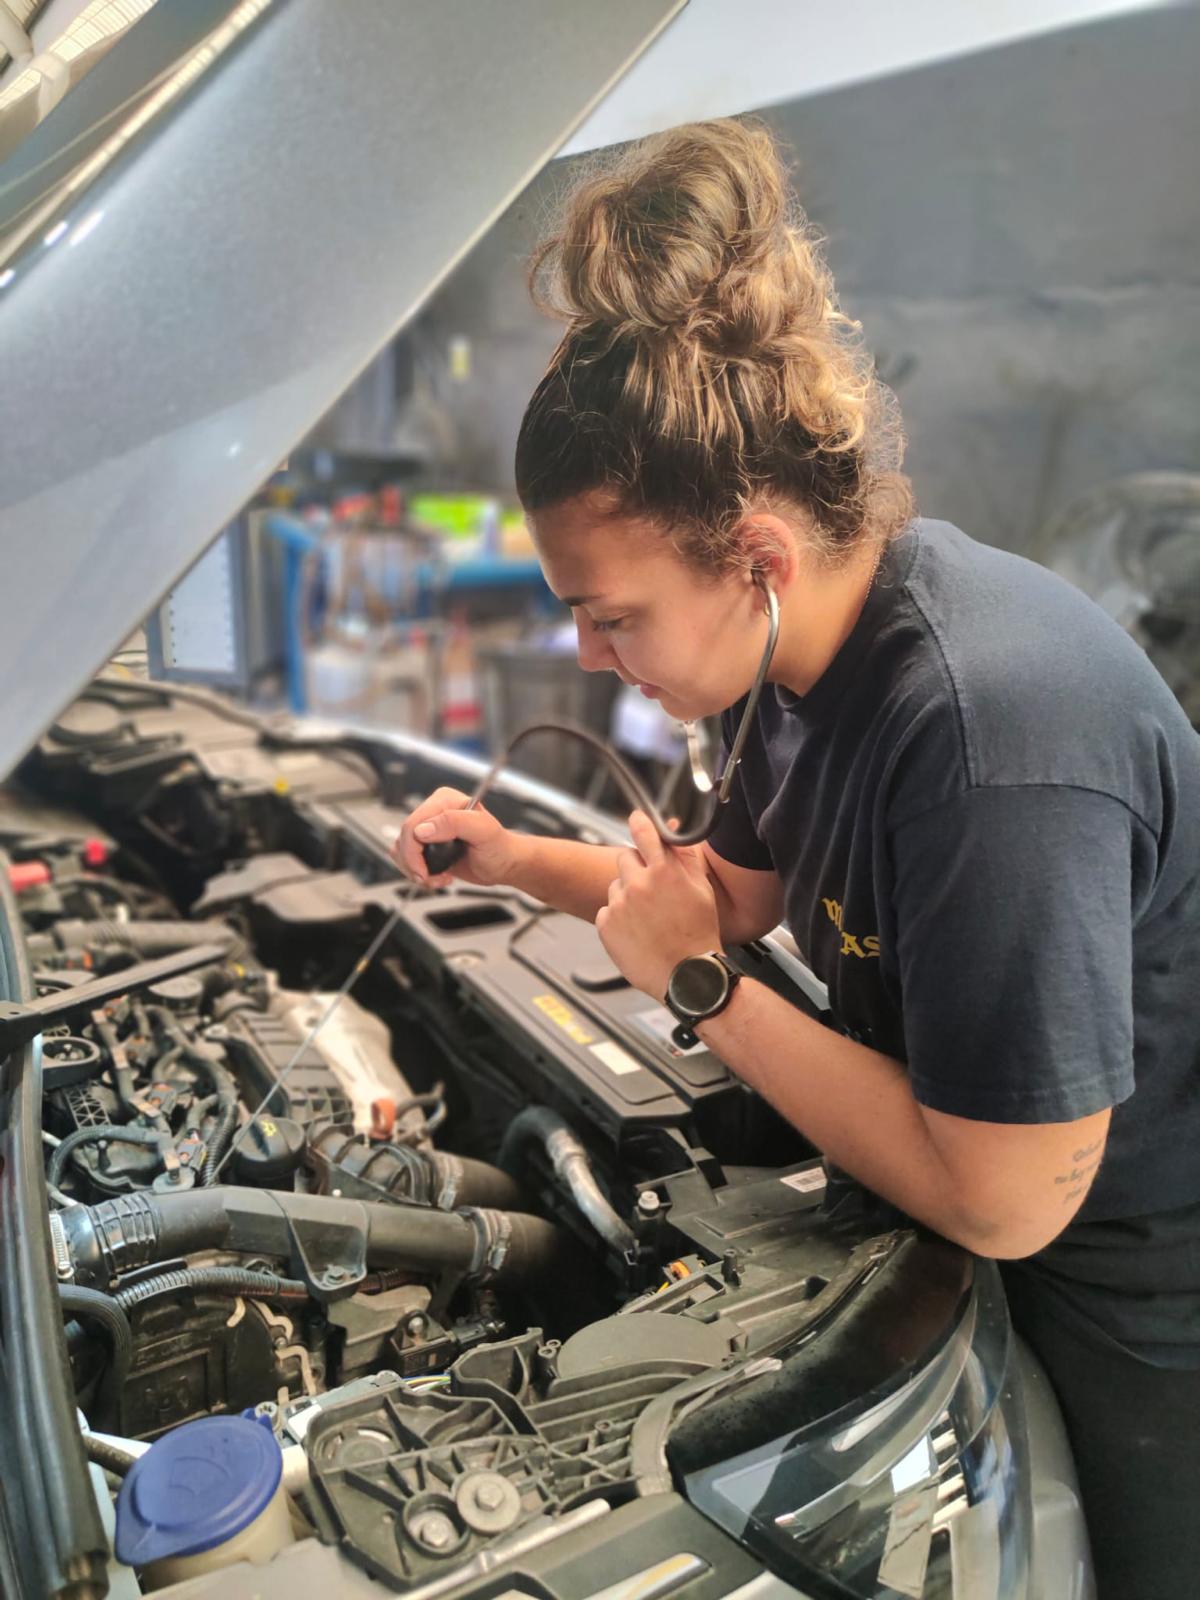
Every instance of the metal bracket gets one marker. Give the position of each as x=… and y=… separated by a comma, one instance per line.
x=19, y=1023
x=330, y=1257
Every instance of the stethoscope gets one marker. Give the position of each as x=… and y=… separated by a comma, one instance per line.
x=442, y=856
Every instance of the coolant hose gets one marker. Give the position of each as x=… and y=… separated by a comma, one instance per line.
x=118, y=1236
x=540, y=1125
x=146, y=939
x=475, y=1183
x=99, y=1134
x=365, y=1168
x=118, y=1462
x=107, y=1313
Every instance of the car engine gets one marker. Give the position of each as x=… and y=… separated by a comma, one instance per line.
x=485, y=1252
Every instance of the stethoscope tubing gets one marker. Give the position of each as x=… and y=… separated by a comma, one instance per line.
x=440, y=857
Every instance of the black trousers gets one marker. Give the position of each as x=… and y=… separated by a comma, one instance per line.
x=1135, y=1432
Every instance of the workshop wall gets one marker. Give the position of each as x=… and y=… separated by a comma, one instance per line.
x=1019, y=232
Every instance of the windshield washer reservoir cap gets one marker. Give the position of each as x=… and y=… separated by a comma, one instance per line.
x=196, y=1487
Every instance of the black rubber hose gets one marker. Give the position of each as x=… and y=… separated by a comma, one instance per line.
x=146, y=940
x=122, y=1076
x=51, y=1488
x=102, y=1131
x=476, y=1183
x=107, y=1313
x=507, y=1246
x=410, y=1176
x=540, y=1125
x=227, y=1116
x=118, y=1236
x=219, y=1080
x=221, y=1280
x=118, y=1462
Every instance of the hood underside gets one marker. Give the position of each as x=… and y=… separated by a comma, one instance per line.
x=190, y=274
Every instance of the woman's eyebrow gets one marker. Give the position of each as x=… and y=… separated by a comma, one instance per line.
x=580, y=599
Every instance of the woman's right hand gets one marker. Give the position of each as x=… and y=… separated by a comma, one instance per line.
x=492, y=850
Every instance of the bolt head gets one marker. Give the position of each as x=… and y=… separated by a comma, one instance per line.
x=434, y=1529
x=489, y=1496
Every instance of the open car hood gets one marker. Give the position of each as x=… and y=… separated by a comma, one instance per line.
x=205, y=242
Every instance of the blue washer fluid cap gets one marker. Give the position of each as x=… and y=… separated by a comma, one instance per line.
x=196, y=1487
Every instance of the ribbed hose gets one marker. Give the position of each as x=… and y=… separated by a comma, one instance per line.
x=119, y=1236
x=107, y=1455
x=426, y=1177
x=540, y=1125
x=104, y=1310
x=227, y=1116
x=221, y=1280
x=147, y=939
x=104, y=1131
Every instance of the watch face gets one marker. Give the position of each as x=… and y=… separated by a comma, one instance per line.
x=698, y=984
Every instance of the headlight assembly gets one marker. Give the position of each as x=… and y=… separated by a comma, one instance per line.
x=921, y=1492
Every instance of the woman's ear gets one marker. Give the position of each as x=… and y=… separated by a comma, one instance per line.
x=770, y=546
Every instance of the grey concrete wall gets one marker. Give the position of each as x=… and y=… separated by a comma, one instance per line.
x=1019, y=233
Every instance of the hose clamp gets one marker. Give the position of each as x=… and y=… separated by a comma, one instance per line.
x=493, y=1237
x=64, y=1269
x=449, y=1171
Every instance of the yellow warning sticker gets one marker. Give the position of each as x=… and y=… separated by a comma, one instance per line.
x=563, y=1017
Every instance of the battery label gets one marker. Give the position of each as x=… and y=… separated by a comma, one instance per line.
x=614, y=1058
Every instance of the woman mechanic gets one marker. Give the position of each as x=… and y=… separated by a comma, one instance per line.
x=971, y=796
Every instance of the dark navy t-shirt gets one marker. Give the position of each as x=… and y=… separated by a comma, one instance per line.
x=986, y=817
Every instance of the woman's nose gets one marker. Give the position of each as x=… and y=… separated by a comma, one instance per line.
x=595, y=652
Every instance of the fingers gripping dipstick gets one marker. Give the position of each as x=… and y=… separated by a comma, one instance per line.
x=446, y=853
x=442, y=856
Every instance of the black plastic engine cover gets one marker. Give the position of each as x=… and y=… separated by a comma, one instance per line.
x=260, y=1047
x=577, y=1031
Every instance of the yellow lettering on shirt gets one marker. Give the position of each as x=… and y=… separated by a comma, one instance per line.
x=865, y=948
x=833, y=911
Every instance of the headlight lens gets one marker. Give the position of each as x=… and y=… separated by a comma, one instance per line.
x=923, y=1494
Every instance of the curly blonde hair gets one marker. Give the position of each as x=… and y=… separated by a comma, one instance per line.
x=706, y=370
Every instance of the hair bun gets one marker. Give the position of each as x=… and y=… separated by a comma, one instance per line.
x=706, y=366
x=686, y=238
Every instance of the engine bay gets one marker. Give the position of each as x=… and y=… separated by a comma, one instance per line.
x=469, y=1242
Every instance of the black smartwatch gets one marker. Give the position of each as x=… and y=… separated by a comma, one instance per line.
x=700, y=987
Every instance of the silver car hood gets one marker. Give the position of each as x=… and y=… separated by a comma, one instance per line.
x=207, y=240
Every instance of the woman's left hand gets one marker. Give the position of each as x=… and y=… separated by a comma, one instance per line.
x=661, y=909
